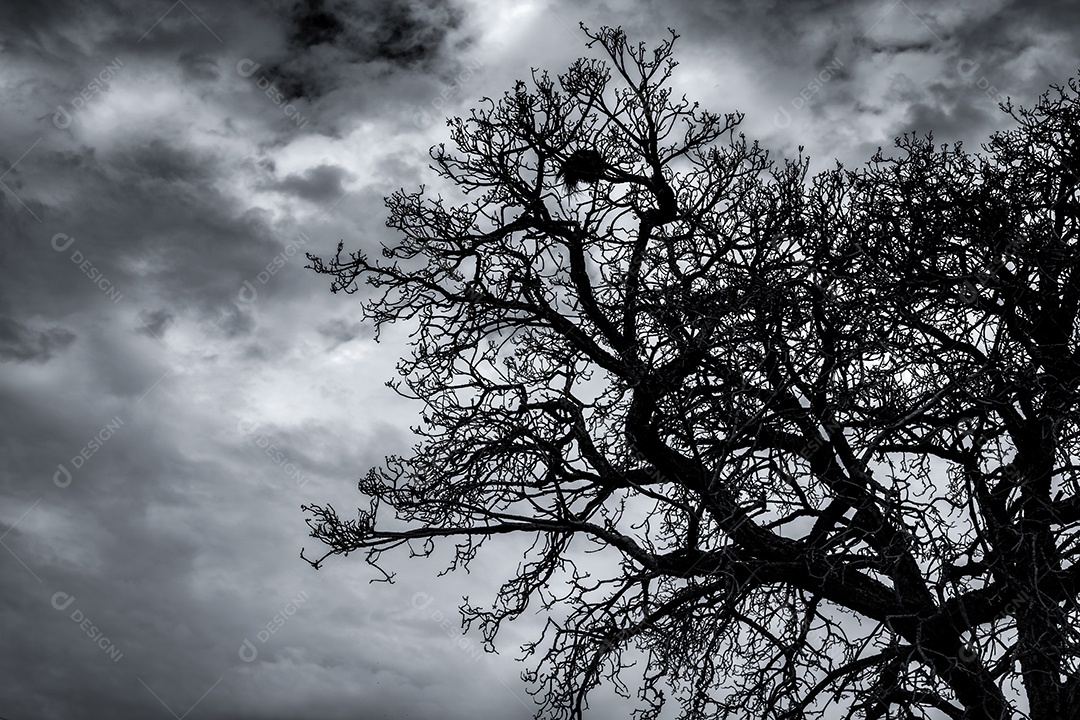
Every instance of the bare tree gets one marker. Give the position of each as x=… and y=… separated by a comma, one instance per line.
x=821, y=432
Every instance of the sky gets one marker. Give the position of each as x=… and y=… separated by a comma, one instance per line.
x=174, y=383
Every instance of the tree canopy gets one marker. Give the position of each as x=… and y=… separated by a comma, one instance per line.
x=820, y=430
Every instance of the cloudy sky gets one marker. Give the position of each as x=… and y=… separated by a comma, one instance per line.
x=175, y=384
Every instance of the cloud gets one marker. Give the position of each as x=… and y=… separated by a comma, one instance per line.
x=328, y=42
x=314, y=25
x=340, y=331
x=321, y=185
x=20, y=343
x=199, y=67
x=155, y=323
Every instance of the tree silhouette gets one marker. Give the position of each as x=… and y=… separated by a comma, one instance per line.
x=819, y=432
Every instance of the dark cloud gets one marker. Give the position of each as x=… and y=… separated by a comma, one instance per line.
x=950, y=115
x=198, y=67
x=321, y=185
x=414, y=32
x=155, y=323
x=314, y=25
x=27, y=22
x=163, y=161
x=327, y=40
x=20, y=343
x=340, y=331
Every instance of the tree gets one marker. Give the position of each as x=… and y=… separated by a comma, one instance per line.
x=821, y=432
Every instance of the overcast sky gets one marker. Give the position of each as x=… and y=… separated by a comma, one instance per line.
x=175, y=384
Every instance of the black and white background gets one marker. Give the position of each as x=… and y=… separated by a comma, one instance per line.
x=174, y=383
